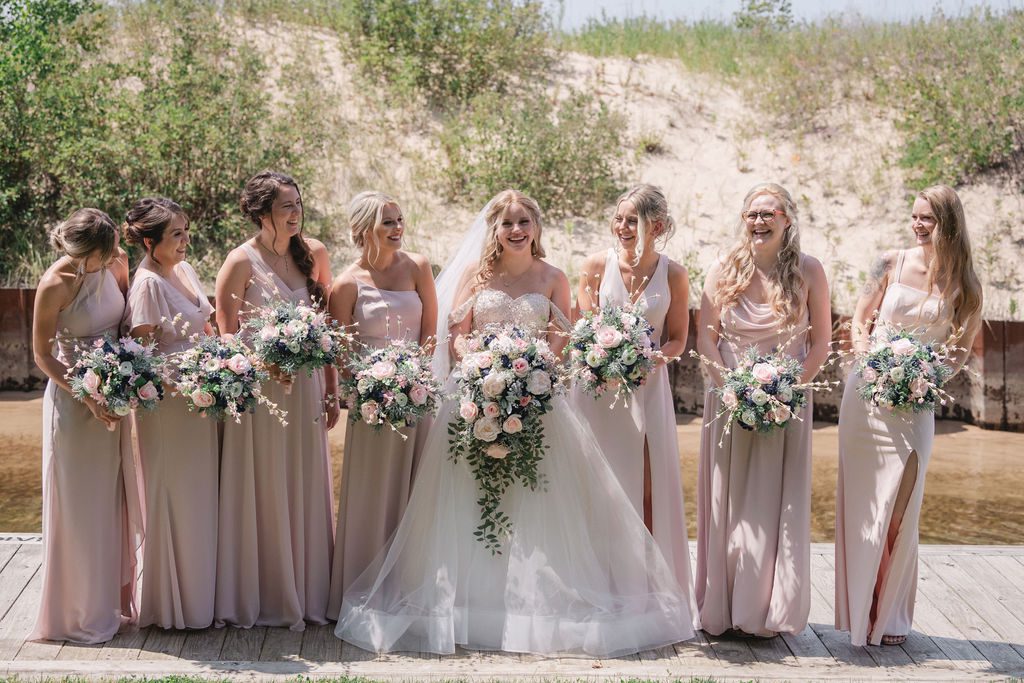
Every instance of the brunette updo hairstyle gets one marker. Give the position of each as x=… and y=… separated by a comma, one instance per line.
x=148, y=219
x=256, y=202
x=84, y=232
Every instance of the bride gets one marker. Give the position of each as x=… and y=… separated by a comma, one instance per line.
x=580, y=573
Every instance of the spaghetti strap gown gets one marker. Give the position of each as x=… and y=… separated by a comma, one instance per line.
x=754, y=502
x=876, y=585
x=377, y=472
x=177, y=450
x=648, y=416
x=276, y=497
x=579, y=573
x=87, y=548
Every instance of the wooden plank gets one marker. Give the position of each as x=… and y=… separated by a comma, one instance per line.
x=732, y=650
x=79, y=652
x=968, y=621
x=126, y=645
x=20, y=618
x=7, y=551
x=204, y=645
x=319, y=644
x=281, y=644
x=18, y=571
x=696, y=651
x=806, y=644
x=353, y=653
x=1003, y=585
x=823, y=595
x=243, y=644
x=772, y=651
x=163, y=643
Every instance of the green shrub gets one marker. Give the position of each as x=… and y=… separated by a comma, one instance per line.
x=563, y=154
x=450, y=50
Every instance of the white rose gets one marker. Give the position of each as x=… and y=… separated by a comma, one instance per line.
x=896, y=373
x=786, y=394
x=539, y=383
x=486, y=429
x=759, y=397
x=125, y=368
x=494, y=385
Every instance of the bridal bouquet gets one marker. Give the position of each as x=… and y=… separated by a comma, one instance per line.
x=391, y=386
x=219, y=379
x=902, y=373
x=120, y=375
x=292, y=337
x=506, y=380
x=612, y=350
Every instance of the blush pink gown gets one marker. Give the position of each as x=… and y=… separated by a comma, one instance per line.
x=754, y=503
x=649, y=417
x=89, y=532
x=276, y=498
x=874, y=447
x=177, y=450
x=377, y=473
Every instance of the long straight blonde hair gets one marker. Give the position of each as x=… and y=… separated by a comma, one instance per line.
x=952, y=265
x=492, y=248
x=785, y=281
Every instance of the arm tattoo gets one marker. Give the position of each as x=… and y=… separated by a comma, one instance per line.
x=879, y=270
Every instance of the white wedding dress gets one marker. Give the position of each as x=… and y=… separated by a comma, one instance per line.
x=580, y=574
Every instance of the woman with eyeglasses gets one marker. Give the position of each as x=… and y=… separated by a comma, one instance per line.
x=931, y=289
x=754, y=489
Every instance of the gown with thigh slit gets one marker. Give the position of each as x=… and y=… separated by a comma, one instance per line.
x=754, y=501
x=276, y=496
x=876, y=584
x=377, y=473
x=177, y=450
x=88, y=539
x=579, y=574
x=647, y=417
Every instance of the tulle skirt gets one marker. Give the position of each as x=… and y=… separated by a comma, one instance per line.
x=580, y=574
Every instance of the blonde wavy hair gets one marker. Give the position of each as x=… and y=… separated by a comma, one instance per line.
x=365, y=212
x=785, y=281
x=496, y=208
x=952, y=264
x=651, y=207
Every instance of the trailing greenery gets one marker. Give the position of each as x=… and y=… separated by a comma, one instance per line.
x=560, y=153
x=178, y=107
x=952, y=82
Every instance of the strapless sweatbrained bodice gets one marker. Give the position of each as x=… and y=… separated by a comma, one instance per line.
x=529, y=312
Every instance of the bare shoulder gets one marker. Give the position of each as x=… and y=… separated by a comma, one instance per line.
x=677, y=272
x=346, y=276
x=57, y=282
x=419, y=262
x=811, y=268
x=316, y=246
x=594, y=264
x=552, y=274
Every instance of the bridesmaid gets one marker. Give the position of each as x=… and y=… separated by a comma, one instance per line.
x=389, y=294
x=177, y=448
x=276, y=504
x=639, y=436
x=883, y=455
x=86, y=592
x=754, y=491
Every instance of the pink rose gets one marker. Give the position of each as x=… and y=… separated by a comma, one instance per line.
x=868, y=374
x=461, y=346
x=927, y=369
x=369, y=412
x=382, y=369
x=497, y=451
x=91, y=381
x=202, y=399
x=903, y=347
x=522, y=344
x=148, y=392
x=483, y=360
x=268, y=333
x=468, y=411
x=418, y=394
x=730, y=399
x=492, y=409
x=239, y=364
x=764, y=373
x=919, y=387
x=326, y=343
x=781, y=413
x=520, y=366
x=525, y=401
x=608, y=337
x=512, y=425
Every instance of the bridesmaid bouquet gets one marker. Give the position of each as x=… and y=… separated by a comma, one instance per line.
x=612, y=350
x=391, y=386
x=121, y=375
x=506, y=380
x=219, y=379
x=763, y=392
x=291, y=336
x=902, y=373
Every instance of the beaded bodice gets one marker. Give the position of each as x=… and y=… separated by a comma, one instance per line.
x=530, y=312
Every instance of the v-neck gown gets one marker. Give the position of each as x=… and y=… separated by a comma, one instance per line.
x=377, y=473
x=178, y=454
x=754, y=502
x=646, y=417
x=87, y=551
x=276, y=496
x=874, y=447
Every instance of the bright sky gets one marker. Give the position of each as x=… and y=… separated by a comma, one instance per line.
x=576, y=12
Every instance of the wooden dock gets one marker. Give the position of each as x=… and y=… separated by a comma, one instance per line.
x=969, y=625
